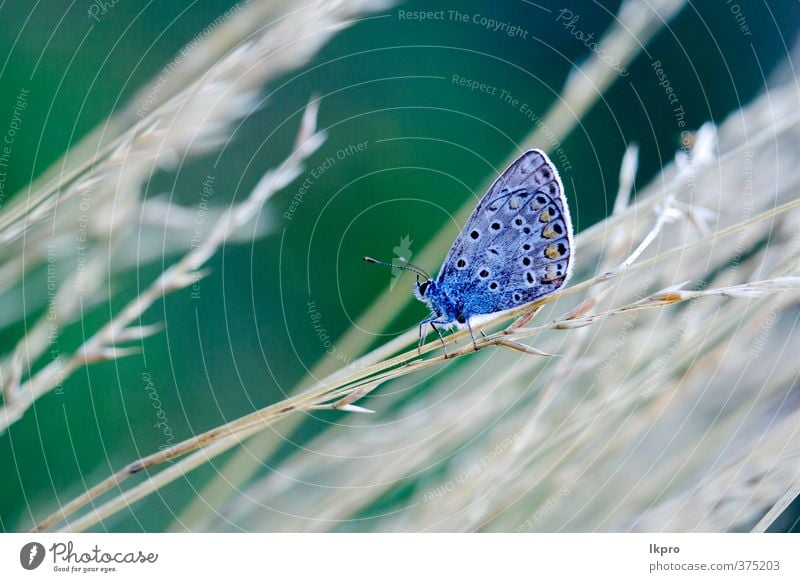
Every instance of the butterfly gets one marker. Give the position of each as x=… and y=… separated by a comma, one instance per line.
x=515, y=248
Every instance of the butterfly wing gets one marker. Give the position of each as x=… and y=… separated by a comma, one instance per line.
x=516, y=246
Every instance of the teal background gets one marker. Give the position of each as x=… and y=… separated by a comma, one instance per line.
x=430, y=145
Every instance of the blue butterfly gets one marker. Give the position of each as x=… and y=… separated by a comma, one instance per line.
x=515, y=248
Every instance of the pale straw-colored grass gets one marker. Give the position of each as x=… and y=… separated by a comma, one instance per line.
x=74, y=226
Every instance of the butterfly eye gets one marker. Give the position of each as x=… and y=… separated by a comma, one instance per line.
x=423, y=287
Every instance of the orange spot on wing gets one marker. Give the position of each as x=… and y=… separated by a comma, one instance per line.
x=548, y=232
x=552, y=251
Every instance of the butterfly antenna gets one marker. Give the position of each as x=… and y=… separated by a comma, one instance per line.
x=405, y=265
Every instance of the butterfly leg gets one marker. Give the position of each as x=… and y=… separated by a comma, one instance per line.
x=422, y=335
x=441, y=338
x=472, y=334
x=432, y=321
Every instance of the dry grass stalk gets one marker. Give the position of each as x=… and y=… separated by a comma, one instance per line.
x=104, y=344
x=89, y=204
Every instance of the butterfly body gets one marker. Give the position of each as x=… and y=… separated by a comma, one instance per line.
x=515, y=247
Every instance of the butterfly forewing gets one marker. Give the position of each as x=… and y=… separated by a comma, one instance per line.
x=517, y=245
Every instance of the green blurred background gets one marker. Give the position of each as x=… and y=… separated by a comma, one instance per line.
x=429, y=143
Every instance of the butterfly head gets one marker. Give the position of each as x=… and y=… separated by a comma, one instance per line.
x=431, y=295
x=424, y=285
